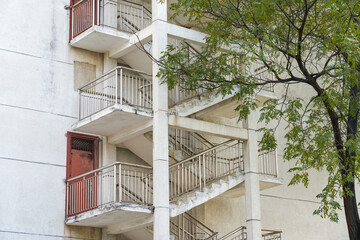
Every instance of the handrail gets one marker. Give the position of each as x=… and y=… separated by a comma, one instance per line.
x=78, y=3
x=135, y=3
x=198, y=221
x=107, y=166
x=232, y=232
x=112, y=70
x=198, y=135
x=242, y=228
x=187, y=226
x=201, y=153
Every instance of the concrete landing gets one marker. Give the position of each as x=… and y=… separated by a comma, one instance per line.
x=109, y=214
x=112, y=120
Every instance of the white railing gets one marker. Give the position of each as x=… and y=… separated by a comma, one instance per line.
x=261, y=73
x=195, y=172
x=187, y=227
x=268, y=163
x=181, y=93
x=123, y=15
x=271, y=234
x=130, y=183
x=123, y=86
x=117, y=182
x=189, y=143
x=132, y=17
x=240, y=234
x=119, y=86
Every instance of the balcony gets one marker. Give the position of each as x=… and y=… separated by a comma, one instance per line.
x=101, y=197
x=119, y=99
x=100, y=25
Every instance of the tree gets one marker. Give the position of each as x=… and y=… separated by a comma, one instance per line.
x=314, y=43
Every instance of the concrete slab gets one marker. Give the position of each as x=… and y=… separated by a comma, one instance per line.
x=109, y=214
x=113, y=119
x=100, y=39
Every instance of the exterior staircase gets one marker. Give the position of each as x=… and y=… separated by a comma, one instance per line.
x=199, y=169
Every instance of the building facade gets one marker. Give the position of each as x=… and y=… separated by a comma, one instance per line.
x=95, y=147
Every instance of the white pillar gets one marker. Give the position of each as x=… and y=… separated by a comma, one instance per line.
x=109, y=152
x=252, y=188
x=160, y=128
x=109, y=63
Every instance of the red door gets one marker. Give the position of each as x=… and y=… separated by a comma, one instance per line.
x=82, y=157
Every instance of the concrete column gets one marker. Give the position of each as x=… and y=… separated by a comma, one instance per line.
x=110, y=13
x=109, y=152
x=109, y=63
x=160, y=128
x=252, y=188
x=105, y=236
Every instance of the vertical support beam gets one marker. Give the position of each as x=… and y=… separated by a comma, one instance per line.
x=252, y=187
x=109, y=63
x=160, y=127
x=109, y=152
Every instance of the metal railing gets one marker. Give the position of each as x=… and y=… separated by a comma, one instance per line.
x=237, y=234
x=195, y=172
x=117, y=182
x=122, y=15
x=271, y=234
x=132, y=17
x=189, y=143
x=187, y=227
x=125, y=182
x=123, y=86
x=240, y=234
x=268, y=163
x=83, y=16
x=119, y=86
x=181, y=93
x=260, y=72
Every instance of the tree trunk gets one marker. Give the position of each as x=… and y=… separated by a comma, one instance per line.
x=351, y=213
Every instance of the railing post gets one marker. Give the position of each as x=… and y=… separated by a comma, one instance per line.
x=142, y=17
x=121, y=86
x=93, y=13
x=120, y=184
x=79, y=106
x=98, y=12
x=67, y=199
x=116, y=85
x=216, y=163
x=241, y=168
x=276, y=164
x=204, y=169
x=100, y=179
x=115, y=183
x=72, y=23
x=199, y=175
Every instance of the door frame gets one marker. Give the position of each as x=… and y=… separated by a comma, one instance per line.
x=94, y=139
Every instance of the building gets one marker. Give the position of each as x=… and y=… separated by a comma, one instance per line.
x=91, y=139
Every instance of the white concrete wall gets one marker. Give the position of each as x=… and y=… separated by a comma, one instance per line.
x=38, y=105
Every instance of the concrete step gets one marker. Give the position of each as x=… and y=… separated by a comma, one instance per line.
x=196, y=198
x=195, y=105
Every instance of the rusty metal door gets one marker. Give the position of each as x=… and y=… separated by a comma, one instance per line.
x=82, y=158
